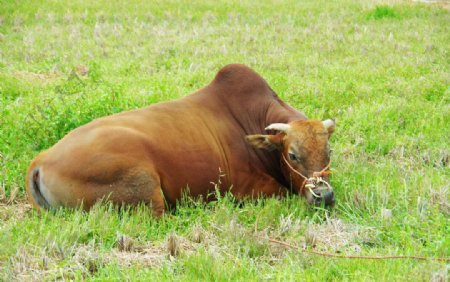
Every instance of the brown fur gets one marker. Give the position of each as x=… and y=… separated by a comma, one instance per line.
x=150, y=155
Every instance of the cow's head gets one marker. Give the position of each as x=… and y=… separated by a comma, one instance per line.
x=305, y=156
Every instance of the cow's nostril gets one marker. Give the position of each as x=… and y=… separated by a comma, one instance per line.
x=318, y=201
x=328, y=197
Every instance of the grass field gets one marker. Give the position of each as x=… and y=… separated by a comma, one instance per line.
x=380, y=68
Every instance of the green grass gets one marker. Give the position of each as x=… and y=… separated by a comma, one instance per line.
x=381, y=70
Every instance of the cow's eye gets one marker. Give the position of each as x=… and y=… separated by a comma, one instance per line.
x=293, y=157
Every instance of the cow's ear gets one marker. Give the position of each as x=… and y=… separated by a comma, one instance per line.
x=268, y=142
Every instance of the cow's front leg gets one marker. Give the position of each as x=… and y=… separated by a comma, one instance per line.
x=259, y=185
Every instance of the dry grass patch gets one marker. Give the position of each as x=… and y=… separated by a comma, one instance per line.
x=54, y=261
x=441, y=3
x=441, y=198
x=43, y=78
x=14, y=210
x=332, y=235
x=335, y=235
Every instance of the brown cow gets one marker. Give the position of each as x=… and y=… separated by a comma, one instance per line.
x=151, y=155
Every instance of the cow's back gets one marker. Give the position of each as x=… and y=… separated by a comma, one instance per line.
x=180, y=140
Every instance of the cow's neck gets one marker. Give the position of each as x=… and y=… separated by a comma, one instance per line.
x=248, y=100
x=280, y=112
x=253, y=113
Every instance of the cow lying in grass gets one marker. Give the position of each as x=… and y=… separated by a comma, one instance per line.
x=151, y=155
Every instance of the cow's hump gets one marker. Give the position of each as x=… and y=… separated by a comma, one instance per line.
x=238, y=78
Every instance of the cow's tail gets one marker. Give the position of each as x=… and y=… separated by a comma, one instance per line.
x=36, y=188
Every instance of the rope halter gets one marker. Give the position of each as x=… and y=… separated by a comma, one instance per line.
x=312, y=182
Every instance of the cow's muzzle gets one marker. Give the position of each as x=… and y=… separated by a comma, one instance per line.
x=320, y=194
x=316, y=189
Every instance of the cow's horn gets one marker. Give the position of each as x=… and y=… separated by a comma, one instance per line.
x=283, y=127
x=328, y=123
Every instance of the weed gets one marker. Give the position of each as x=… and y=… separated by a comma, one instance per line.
x=382, y=12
